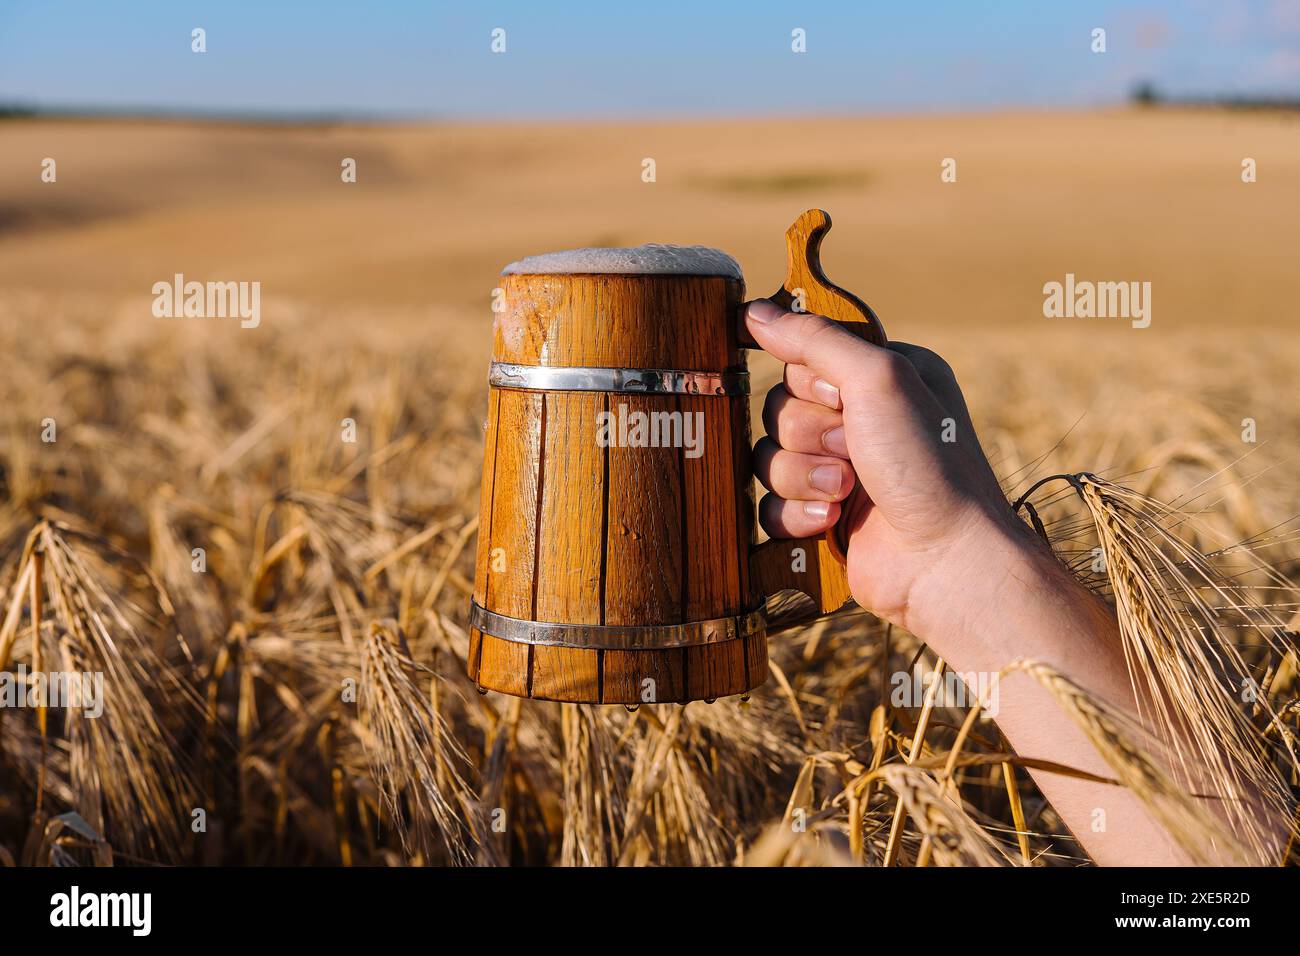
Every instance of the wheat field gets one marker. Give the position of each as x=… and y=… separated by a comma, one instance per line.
x=302, y=699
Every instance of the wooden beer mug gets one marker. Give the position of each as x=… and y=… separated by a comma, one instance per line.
x=616, y=555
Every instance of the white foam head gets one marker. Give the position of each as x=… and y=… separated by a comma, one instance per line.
x=654, y=259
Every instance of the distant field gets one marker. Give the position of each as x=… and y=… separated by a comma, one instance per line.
x=414, y=247
x=439, y=208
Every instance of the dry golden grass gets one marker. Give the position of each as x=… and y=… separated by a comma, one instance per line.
x=332, y=565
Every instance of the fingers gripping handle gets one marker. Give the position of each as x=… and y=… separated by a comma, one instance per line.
x=814, y=565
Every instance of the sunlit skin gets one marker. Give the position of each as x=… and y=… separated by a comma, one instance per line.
x=933, y=547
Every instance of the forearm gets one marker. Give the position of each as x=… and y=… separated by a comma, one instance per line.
x=1025, y=605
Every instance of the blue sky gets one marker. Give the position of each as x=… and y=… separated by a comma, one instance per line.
x=669, y=58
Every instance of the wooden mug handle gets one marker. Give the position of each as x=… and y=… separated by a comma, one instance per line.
x=806, y=284
x=775, y=564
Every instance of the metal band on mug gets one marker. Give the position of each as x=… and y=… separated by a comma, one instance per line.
x=653, y=381
x=615, y=637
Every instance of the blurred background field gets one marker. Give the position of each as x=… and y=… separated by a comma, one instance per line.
x=330, y=561
x=412, y=250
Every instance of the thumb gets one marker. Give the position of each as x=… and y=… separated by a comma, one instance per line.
x=831, y=351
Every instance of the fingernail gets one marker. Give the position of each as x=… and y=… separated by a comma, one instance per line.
x=833, y=441
x=826, y=393
x=764, y=311
x=827, y=478
x=816, y=509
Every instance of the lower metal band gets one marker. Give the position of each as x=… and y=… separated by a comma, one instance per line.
x=651, y=381
x=615, y=637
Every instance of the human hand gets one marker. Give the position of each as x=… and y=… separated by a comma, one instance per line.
x=881, y=439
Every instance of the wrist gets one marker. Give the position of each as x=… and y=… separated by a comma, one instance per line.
x=998, y=594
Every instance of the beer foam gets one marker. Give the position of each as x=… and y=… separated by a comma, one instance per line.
x=653, y=259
